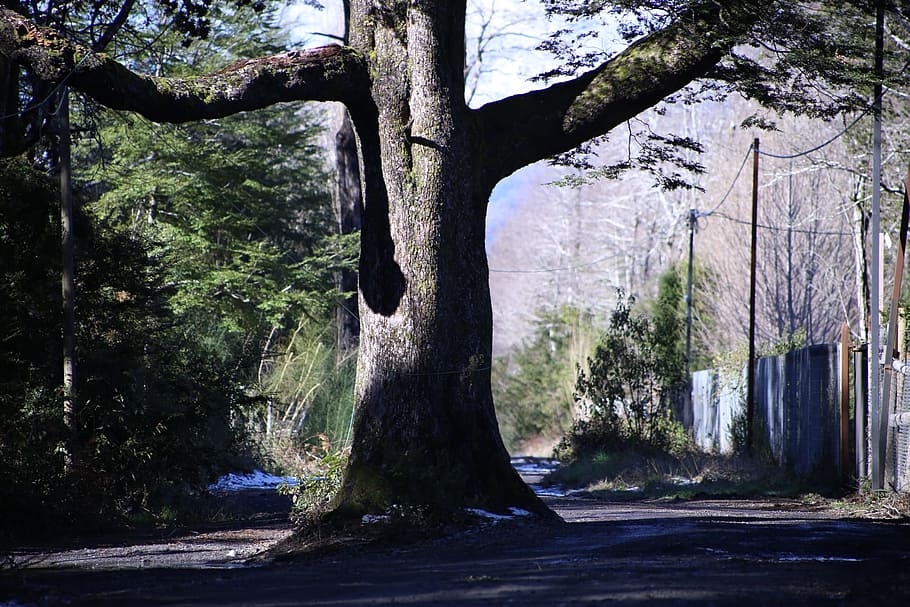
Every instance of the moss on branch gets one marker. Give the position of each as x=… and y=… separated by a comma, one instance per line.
x=330, y=73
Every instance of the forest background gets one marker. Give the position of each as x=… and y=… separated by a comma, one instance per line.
x=207, y=258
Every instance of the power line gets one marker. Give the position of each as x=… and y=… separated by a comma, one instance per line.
x=729, y=189
x=876, y=101
x=786, y=229
x=762, y=152
x=816, y=148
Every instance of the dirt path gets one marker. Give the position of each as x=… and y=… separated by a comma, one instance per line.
x=691, y=553
x=254, y=521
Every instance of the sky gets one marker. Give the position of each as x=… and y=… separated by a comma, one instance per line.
x=517, y=26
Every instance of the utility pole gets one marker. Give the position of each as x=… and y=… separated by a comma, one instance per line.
x=693, y=218
x=750, y=389
x=875, y=395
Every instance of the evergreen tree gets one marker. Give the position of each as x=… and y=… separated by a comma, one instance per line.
x=669, y=330
x=237, y=207
x=194, y=245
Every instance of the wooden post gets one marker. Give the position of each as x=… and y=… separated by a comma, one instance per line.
x=891, y=354
x=750, y=383
x=860, y=368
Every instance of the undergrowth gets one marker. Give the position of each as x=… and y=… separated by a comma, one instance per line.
x=646, y=473
x=319, y=481
x=875, y=504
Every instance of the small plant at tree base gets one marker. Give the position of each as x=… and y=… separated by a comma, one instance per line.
x=313, y=494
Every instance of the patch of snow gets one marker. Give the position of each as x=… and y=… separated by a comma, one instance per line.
x=369, y=519
x=787, y=557
x=524, y=465
x=793, y=558
x=257, y=479
x=682, y=481
x=516, y=512
x=554, y=491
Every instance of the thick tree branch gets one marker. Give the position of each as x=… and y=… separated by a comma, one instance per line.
x=523, y=129
x=330, y=73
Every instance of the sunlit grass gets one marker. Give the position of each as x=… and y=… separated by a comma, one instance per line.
x=635, y=474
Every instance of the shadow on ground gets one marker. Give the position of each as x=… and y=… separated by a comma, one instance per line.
x=730, y=552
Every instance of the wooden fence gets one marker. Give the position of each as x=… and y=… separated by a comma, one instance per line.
x=797, y=418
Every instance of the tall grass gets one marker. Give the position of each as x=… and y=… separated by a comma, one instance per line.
x=311, y=400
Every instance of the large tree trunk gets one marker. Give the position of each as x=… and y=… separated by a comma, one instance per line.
x=425, y=433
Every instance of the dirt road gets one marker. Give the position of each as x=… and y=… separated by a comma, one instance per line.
x=689, y=553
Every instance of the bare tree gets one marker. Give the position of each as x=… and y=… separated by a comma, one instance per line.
x=805, y=265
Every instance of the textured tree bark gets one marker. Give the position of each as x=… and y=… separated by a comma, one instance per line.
x=425, y=432
x=67, y=284
x=9, y=87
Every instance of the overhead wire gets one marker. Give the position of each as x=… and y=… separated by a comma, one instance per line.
x=819, y=146
x=563, y=269
x=762, y=152
x=771, y=228
x=729, y=189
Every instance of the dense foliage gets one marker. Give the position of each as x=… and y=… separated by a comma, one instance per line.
x=635, y=374
x=198, y=249
x=158, y=407
x=533, y=386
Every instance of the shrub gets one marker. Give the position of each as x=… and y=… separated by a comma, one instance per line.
x=157, y=407
x=318, y=482
x=634, y=374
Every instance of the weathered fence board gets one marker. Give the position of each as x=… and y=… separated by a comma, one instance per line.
x=796, y=415
x=900, y=434
x=717, y=401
